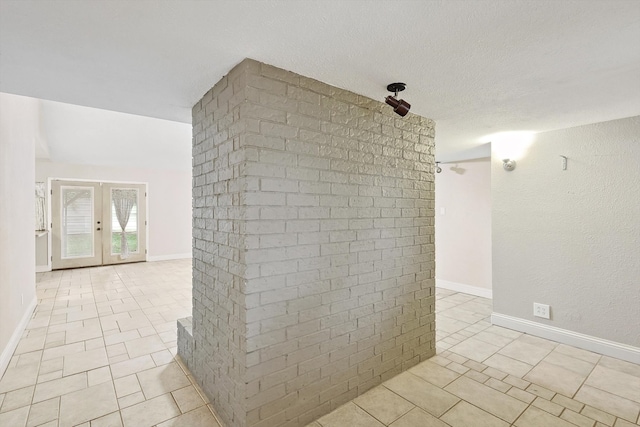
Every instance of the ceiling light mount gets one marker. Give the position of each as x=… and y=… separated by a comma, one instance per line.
x=400, y=106
x=396, y=87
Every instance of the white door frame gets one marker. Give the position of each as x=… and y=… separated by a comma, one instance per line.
x=107, y=257
x=59, y=234
x=49, y=236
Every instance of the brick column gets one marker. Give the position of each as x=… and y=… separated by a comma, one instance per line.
x=313, y=275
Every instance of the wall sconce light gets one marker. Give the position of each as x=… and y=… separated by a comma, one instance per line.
x=438, y=168
x=400, y=106
x=508, y=164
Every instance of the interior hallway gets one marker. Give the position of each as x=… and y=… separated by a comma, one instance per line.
x=100, y=351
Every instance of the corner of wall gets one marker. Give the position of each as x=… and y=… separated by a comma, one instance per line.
x=19, y=128
x=7, y=351
x=313, y=243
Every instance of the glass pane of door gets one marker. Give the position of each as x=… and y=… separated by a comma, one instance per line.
x=124, y=221
x=96, y=223
x=125, y=225
x=77, y=222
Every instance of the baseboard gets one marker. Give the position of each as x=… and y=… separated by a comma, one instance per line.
x=564, y=336
x=43, y=268
x=5, y=356
x=168, y=257
x=467, y=289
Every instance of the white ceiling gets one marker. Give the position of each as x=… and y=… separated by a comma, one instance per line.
x=476, y=67
x=82, y=135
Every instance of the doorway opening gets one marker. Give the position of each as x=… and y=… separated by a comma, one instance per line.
x=97, y=223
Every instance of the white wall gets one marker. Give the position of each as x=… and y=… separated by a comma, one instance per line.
x=463, y=227
x=19, y=128
x=169, y=198
x=571, y=239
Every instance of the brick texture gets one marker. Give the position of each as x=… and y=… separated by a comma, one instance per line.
x=313, y=245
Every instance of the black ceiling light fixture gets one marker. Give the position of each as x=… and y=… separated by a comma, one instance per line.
x=400, y=106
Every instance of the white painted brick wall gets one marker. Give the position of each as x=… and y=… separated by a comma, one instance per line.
x=313, y=245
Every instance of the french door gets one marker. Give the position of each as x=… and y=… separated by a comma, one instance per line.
x=96, y=223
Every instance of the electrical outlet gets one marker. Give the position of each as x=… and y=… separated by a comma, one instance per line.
x=541, y=310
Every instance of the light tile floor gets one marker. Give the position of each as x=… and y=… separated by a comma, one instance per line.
x=100, y=350
x=485, y=375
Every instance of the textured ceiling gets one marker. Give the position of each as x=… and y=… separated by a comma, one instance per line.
x=476, y=67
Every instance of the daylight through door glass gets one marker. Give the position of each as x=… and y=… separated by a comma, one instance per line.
x=124, y=216
x=77, y=222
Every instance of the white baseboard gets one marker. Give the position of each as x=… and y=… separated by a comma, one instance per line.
x=467, y=289
x=168, y=257
x=43, y=268
x=7, y=352
x=564, y=336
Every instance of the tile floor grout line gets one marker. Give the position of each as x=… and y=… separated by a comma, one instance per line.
x=378, y=419
x=66, y=293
